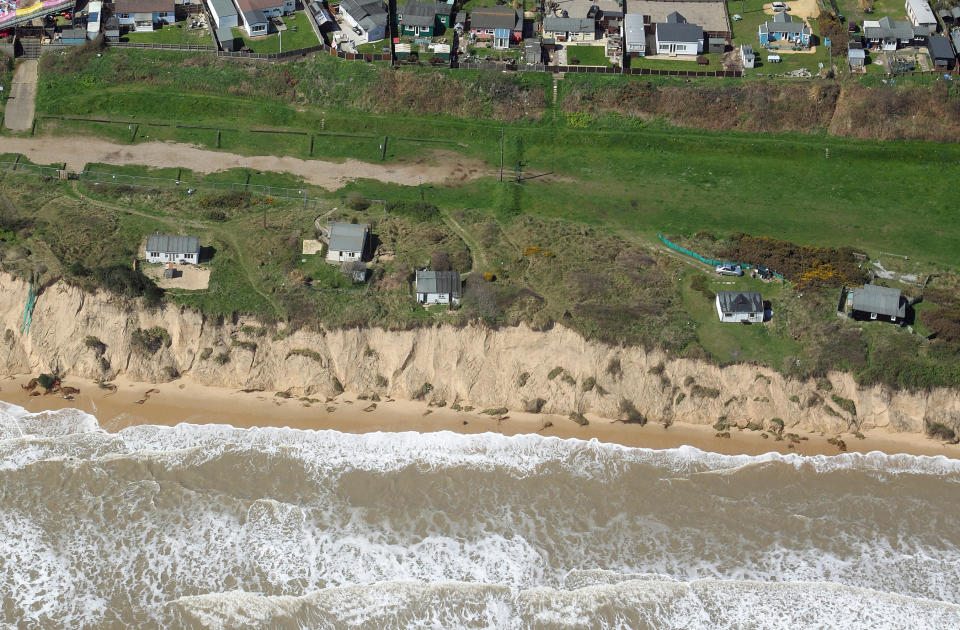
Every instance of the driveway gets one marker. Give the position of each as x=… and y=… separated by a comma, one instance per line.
x=23, y=93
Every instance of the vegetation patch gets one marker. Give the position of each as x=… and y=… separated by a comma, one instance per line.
x=939, y=430
x=306, y=352
x=579, y=418
x=554, y=373
x=148, y=341
x=422, y=392
x=844, y=403
x=630, y=414
x=495, y=411
x=698, y=391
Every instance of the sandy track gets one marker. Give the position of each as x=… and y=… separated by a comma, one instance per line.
x=77, y=151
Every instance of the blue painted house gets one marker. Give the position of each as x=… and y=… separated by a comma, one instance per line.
x=783, y=29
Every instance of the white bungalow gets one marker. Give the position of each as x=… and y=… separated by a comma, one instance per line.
x=438, y=287
x=740, y=306
x=348, y=241
x=164, y=248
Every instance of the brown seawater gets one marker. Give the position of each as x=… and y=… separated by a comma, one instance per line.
x=213, y=526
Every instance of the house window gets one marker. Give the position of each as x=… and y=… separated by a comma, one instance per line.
x=728, y=314
x=489, y=31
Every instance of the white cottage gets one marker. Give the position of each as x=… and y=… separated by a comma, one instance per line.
x=348, y=241
x=164, y=248
x=438, y=287
x=740, y=306
x=677, y=37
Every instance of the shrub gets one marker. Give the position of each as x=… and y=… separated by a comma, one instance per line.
x=337, y=385
x=306, y=352
x=495, y=411
x=720, y=426
x=698, y=391
x=95, y=344
x=382, y=380
x=699, y=283
x=579, y=418
x=205, y=353
x=124, y=281
x=687, y=382
x=680, y=398
x=104, y=364
x=830, y=410
x=534, y=406
x=845, y=403
x=588, y=384
x=421, y=393
x=795, y=399
x=246, y=345
x=222, y=359
x=148, y=342
x=630, y=414
x=939, y=430
x=523, y=378
x=657, y=369
x=613, y=367
x=569, y=380
x=554, y=373
x=46, y=381
x=419, y=210
x=824, y=385
x=754, y=426
x=171, y=372
x=778, y=423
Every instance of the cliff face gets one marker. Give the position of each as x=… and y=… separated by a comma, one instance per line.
x=473, y=366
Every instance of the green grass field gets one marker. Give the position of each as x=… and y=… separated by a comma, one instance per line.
x=172, y=34
x=290, y=39
x=588, y=55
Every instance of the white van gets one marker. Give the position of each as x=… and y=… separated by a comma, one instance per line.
x=779, y=6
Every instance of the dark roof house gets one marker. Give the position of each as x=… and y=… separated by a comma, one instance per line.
x=496, y=17
x=739, y=306
x=874, y=300
x=941, y=52
x=438, y=286
x=173, y=244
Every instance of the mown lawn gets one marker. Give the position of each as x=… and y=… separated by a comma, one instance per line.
x=290, y=39
x=716, y=63
x=177, y=33
x=587, y=55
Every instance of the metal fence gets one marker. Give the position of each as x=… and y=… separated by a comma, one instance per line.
x=156, y=183
x=187, y=47
x=595, y=70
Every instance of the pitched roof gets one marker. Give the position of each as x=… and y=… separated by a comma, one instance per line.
x=888, y=28
x=940, y=47
x=496, y=17
x=249, y=6
x=223, y=8
x=633, y=27
x=359, y=9
x=783, y=23
x=348, y=237
x=172, y=244
x=439, y=282
x=555, y=24
x=873, y=298
x=417, y=13
x=678, y=32
x=676, y=18
x=923, y=12
x=142, y=6
x=740, y=301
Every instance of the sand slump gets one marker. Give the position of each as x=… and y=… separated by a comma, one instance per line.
x=213, y=526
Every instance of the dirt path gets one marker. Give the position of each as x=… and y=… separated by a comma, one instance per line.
x=77, y=151
x=477, y=255
x=23, y=93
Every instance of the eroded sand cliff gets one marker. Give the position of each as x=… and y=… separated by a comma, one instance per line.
x=475, y=366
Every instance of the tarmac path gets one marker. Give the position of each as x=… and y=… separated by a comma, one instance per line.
x=23, y=93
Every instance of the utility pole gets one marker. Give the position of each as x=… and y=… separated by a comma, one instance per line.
x=501, y=154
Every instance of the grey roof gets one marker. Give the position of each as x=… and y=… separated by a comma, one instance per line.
x=532, y=51
x=416, y=13
x=496, y=17
x=171, y=244
x=359, y=9
x=633, y=27
x=461, y=17
x=873, y=298
x=678, y=32
x=439, y=282
x=746, y=50
x=856, y=53
x=223, y=8
x=224, y=34
x=740, y=301
x=940, y=48
x=255, y=17
x=555, y=24
x=73, y=33
x=955, y=12
x=899, y=29
x=955, y=36
x=676, y=18
x=348, y=237
x=783, y=23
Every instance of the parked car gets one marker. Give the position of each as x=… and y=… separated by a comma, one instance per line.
x=780, y=6
x=729, y=269
x=592, y=13
x=852, y=27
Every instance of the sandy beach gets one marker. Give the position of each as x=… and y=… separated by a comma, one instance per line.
x=134, y=403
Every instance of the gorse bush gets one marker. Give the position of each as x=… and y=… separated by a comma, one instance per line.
x=149, y=341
